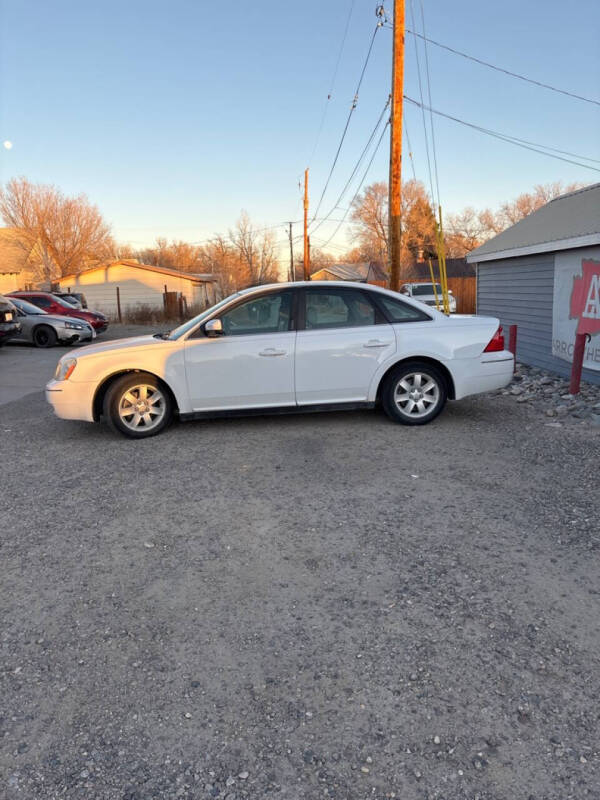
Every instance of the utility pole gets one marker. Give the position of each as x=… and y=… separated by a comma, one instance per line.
x=395, y=198
x=292, y=271
x=306, y=243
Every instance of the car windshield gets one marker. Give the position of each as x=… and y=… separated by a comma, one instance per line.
x=72, y=301
x=177, y=333
x=27, y=308
x=425, y=288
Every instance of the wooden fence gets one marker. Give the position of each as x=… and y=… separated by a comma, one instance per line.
x=465, y=290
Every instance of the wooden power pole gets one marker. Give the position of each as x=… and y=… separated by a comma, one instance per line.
x=292, y=270
x=395, y=198
x=306, y=244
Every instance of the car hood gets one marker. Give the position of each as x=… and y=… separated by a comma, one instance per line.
x=121, y=344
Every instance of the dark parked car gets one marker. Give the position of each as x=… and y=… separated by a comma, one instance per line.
x=56, y=305
x=9, y=325
x=75, y=298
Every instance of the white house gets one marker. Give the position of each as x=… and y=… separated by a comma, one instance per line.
x=139, y=284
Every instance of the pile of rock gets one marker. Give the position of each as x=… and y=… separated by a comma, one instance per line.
x=548, y=392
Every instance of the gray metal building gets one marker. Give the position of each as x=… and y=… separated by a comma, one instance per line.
x=543, y=274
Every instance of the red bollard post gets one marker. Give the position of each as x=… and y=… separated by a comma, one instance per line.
x=512, y=341
x=578, y=353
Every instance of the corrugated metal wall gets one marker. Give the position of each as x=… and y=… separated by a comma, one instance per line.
x=519, y=291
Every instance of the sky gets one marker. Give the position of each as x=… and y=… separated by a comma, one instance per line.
x=174, y=116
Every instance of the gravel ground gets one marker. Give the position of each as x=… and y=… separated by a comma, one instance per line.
x=321, y=606
x=549, y=393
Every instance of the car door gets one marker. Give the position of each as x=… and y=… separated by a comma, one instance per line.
x=342, y=339
x=251, y=364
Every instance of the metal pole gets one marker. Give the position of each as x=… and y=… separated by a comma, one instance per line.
x=395, y=197
x=578, y=354
x=119, y=305
x=512, y=342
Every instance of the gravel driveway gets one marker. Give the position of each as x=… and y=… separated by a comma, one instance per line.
x=321, y=606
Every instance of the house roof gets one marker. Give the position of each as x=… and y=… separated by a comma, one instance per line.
x=363, y=271
x=571, y=220
x=195, y=277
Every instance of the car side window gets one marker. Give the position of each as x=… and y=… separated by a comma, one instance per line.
x=41, y=302
x=338, y=308
x=269, y=313
x=398, y=311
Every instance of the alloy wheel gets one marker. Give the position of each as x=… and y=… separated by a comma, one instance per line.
x=416, y=394
x=142, y=407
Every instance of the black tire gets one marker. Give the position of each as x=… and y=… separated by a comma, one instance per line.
x=115, y=403
x=432, y=401
x=44, y=336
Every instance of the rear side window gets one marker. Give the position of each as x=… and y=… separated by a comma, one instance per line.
x=341, y=308
x=41, y=302
x=398, y=311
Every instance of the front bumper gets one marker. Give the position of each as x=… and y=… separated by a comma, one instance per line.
x=9, y=329
x=71, y=400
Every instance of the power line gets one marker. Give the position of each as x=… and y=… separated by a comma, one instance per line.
x=435, y=167
x=332, y=84
x=410, y=152
x=505, y=71
x=412, y=15
x=360, y=185
x=513, y=139
x=356, y=166
x=354, y=103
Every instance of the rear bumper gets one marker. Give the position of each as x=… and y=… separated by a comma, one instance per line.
x=71, y=400
x=494, y=371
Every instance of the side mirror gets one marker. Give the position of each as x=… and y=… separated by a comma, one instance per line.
x=214, y=327
x=404, y=291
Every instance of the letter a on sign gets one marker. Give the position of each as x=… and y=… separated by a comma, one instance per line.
x=592, y=304
x=585, y=298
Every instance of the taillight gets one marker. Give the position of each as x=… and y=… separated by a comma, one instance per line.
x=496, y=342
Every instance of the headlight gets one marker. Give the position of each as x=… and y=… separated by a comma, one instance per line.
x=74, y=325
x=64, y=369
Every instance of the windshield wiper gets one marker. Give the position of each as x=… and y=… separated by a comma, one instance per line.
x=164, y=335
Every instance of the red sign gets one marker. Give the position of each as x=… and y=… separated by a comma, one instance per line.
x=585, y=298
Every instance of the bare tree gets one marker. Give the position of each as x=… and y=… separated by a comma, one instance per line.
x=469, y=228
x=370, y=214
x=256, y=250
x=60, y=234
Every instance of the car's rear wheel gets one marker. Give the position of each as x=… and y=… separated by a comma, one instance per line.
x=44, y=336
x=414, y=393
x=138, y=405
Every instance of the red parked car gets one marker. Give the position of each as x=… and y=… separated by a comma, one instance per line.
x=56, y=305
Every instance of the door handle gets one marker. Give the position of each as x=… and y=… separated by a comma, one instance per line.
x=376, y=343
x=271, y=351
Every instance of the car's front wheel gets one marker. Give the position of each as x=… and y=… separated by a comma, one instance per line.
x=414, y=393
x=138, y=405
x=44, y=336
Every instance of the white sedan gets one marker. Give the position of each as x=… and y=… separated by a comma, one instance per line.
x=287, y=347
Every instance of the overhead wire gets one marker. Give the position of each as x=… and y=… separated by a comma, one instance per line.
x=524, y=143
x=435, y=167
x=360, y=185
x=420, y=84
x=509, y=72
x=410, y=152
x=351, y=112
x=332, y=83
x=502, y=69
x=356, y=166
